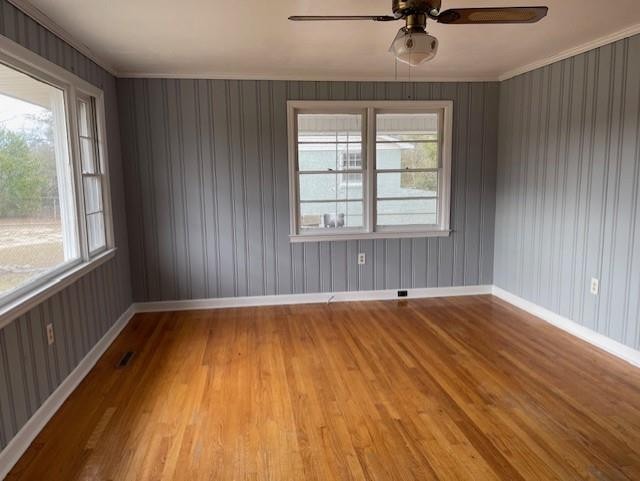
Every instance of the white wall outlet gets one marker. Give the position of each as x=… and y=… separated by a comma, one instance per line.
x=595, y=286
x=50, y=337
x=361, y=258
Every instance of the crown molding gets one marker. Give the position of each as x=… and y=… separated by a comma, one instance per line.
x=572, y=52
x=302, y=78
x=39, y=16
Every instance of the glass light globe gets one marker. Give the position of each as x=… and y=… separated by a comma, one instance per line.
x=414, y=46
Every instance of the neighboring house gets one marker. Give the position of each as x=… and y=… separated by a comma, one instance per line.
x=342, y=191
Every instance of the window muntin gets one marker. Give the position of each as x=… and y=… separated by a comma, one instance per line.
x=38, y=219
x=64, y=249
x=388, y=174
x=350, y=161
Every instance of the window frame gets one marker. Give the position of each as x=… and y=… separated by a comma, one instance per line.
x=37, y=290
x=366, y=186
x=100, y=174
x=369, y=109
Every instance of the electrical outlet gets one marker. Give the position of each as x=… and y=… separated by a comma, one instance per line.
x=595, y=286
x=50, y=337
x=361, y=258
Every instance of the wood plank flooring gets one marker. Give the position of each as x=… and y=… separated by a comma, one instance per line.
x=464, y=388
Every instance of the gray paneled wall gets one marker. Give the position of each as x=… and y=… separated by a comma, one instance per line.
x=208, y=203
x=567, y=196
x=30, y=370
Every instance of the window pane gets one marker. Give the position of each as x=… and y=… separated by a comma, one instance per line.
x=407, y=155
x=83, y=119
x=407, y=212
x=395, y=127
x=37, y=210
x=330, y=187
x=92, y=194
x=95, y=231
x=316, y=215
x=316, y=128
x=407, y=184
x=329, y=156
x=87, y=152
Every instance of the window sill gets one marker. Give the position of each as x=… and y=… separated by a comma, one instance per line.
x=367, y=236
x=19, y=306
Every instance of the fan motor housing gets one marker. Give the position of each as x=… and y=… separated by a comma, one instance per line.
x=406, y=7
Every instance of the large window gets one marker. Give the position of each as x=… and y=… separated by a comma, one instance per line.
x=53, y=215
x=369, y=169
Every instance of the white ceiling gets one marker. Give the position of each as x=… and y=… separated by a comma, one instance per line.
x=254, y=39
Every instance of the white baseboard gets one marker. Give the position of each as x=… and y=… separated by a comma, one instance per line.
x=314, y=298
x=21, y=441
x=605, y=343
x=616, y=348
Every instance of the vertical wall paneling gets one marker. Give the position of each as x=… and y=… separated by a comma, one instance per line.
x=567, y=194
x=207, y=192
x=30, y=369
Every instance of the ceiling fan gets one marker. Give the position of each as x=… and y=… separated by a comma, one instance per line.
x=412, y=44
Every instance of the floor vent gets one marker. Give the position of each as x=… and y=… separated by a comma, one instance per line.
x=124, y=361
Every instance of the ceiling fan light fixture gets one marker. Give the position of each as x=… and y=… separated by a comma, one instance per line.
x=414, y=46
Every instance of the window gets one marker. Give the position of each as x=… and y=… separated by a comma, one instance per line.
x=330, y=171
x=92, y=174
x=407, y=169
x=369, y=169
x=53, y=187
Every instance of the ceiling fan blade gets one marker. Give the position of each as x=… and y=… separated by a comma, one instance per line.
x=311, y=18
x=492, y=15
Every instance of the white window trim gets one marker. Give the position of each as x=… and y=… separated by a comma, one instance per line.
x=103, y=163
x=368, y=109
x=24, y=60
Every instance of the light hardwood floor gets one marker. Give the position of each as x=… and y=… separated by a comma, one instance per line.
x=441, y=389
